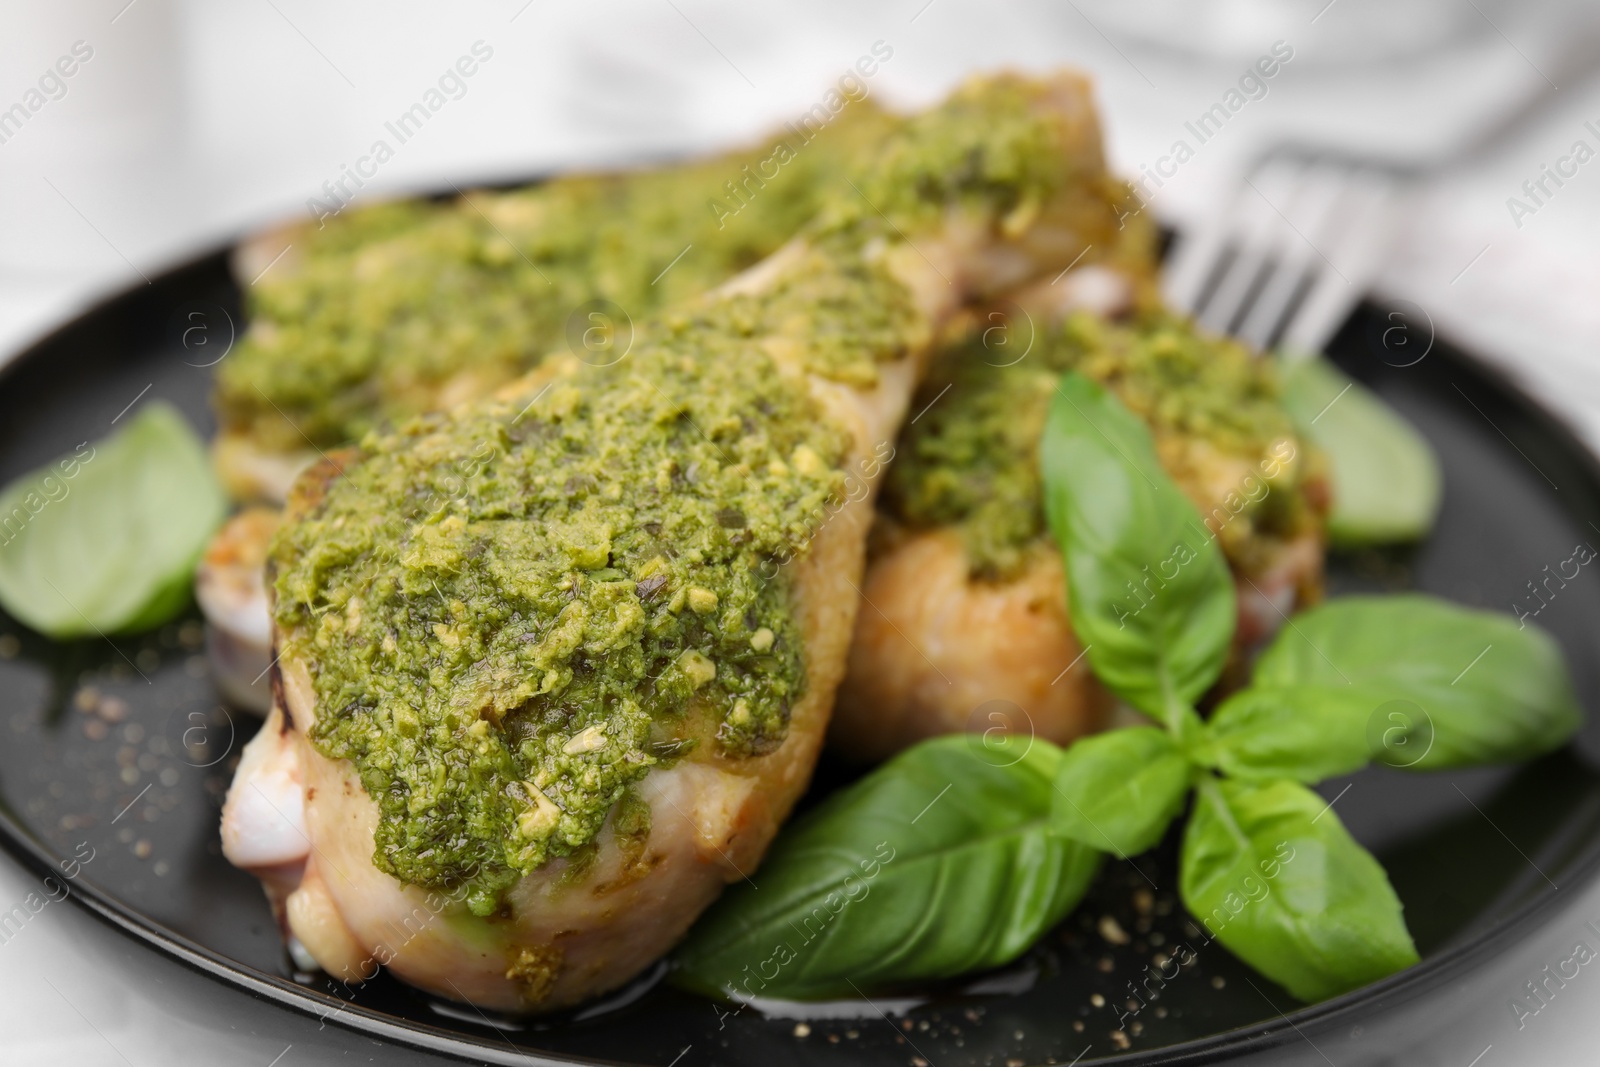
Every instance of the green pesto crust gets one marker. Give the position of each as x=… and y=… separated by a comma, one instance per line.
x=971, y=461
x=514, y=613
x=396, y=309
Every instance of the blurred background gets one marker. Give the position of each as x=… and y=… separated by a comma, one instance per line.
x=183, y=125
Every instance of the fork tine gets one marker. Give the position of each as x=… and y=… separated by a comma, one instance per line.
x=1236, y=288
x=1304, y=197
x=1215, y=272
x=1194, y=267
x=1351, y=239
x=1256, y=239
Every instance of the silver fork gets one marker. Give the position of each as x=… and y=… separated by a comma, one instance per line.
x=1293, y=250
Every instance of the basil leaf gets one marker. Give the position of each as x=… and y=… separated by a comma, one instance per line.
x=1148, y=589
x=1410, y=681
x=935, y=864
x=1307, y=733
x=1275, y=877
x=106, y=540
x=1384, y=474
x=1119, y=791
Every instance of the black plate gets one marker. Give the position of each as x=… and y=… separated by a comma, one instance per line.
x=1475, y=855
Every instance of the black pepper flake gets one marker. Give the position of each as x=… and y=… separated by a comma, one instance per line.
x=650, y=586
x=731, y=518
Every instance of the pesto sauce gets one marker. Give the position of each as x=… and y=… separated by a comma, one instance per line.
x=835, y=312
x=398, y=309
x=513, y=611
x=984, y=147
x=972, y=460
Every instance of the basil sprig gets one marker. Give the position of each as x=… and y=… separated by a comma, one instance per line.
x=947, y=859
x=106, y=540
x=942, y=861
x=1411, y=681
